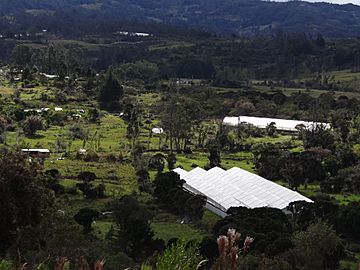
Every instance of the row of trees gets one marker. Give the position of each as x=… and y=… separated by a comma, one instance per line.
x=248, y=57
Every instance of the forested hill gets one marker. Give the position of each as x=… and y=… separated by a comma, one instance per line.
x=240, y=17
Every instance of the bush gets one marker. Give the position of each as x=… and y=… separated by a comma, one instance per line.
x=32, y=124
x=209, y=249
x=58, y=118
x=85, y=217
x=6, y=265
x=187, y=151
x=178, y=256
x=77, y=132
x=316, y=248
x=87, y=176
x=91, y=156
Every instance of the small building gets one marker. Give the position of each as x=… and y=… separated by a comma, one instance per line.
x=157, y=131
x=76, y=116
x=82, y=151
x=49, y=76
x=37, y=153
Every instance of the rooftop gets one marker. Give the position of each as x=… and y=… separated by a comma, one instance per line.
x=237, y=187
x=263, y=122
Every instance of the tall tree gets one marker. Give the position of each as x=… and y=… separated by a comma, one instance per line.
x=135, y=234
x=111, y=92
x=179, y=116
x=24, y=197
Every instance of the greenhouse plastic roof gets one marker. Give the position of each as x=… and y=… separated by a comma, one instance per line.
x=237, y=187
x=262, y=122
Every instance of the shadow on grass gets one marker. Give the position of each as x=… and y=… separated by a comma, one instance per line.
x=35, y=136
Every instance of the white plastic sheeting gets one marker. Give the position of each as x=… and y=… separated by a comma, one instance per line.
x=157, y=131
x=262, y=122
x=35, y=150
x=236, y=187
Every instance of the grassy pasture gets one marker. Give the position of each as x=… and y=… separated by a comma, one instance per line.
x=6, y=91
x=119, y=177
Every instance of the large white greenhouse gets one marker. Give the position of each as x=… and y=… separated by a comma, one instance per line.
x=262, y=122
x=236, y=187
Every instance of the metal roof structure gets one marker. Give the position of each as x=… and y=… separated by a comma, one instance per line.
x=236, y=187
x=263, y=122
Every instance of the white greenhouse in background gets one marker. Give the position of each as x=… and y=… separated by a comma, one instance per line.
x=281, y=124
x=236, y=187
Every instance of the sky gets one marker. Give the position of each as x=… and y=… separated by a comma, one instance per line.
x=355, y=2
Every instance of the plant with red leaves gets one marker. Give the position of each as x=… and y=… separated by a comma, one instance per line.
x=229, y=250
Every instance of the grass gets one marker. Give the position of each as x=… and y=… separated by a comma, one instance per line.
x=210, y=219
x=174, y=229
x=311, y=92
x=101, y=228
x=313, y=190
x=5, y=90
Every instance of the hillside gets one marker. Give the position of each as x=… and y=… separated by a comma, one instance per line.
x=240, y=17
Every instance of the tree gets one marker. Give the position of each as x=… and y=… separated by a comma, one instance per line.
x=292, y=170
x=24, y=197
x=165, y=183
x=169, y=191
x=317, y=248
x=157, y=162
x=21, y=55
x=348, y=220
x=318, y=136
x=87, y=188
x=348, y=179
x=271, y=129
x=26, y=74
x=85, y=217
x=265, y=224
x=171, y=161
x=214, y=156
x=243, y=107
x=268, y=160
x=94, y=115
x=135, y=234
x=209, y=249
x=140, y=70
x=110, y=92
x=194, y=207
x=133, y=128
x=87, y=176
x=32, y=124
x=179, y=115
x=77, y=131
x=312, y=164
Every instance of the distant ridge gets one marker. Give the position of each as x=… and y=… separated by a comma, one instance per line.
x=227, y=17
